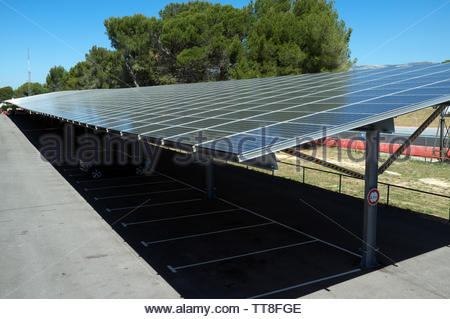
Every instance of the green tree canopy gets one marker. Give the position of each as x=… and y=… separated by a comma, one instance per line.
x=6, y=93
x=137, y=39
x=36, y=88
x=56, y=79
x=102, y=69
x=78, y=79
x=304, y=37
x=201, y=41
x=105, y=69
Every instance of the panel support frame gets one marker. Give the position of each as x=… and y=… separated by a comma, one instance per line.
x=442, y=151
x=369, y=249
x=324, y=163
x=210, y=189
x=439, y=109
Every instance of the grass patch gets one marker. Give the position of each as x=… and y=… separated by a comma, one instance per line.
x=416, y=118
x=406, y=172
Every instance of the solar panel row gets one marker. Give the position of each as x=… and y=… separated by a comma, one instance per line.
x=250, y=118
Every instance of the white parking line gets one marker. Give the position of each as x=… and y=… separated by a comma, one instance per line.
x=305, y=284
x=147, y=243
x=174, y=269
x=125, y=186
x=267, y=218
x=115, y=178
x=294, y=229
x=41, y=129
x=109, y=210
x=143, y=194
x=180, y=217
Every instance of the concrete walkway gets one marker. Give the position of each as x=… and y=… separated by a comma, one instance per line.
x=52, y=243
x=424, y=276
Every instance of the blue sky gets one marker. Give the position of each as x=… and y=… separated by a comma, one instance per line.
x=61, y=32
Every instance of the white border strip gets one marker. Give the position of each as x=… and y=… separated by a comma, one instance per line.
x=109, y=210
x=180, y=217
x=306, y=283
x=174, y=269
x=142, y=194
x=124, y=186
x=147, y=243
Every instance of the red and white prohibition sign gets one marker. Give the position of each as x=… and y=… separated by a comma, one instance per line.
x=373, y=197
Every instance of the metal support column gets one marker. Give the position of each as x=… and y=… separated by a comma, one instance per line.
x=370, y=211
x=442, y=153
x=210, y=185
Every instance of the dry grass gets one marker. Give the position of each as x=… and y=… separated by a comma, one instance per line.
x=417, y=174
x=416, y=118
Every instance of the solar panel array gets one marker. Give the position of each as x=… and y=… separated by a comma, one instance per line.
x=250, y=118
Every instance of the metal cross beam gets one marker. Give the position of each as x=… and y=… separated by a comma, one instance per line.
x=324, y=163
x=411, y=139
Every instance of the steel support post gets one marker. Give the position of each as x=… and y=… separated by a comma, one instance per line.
x=210, y=185
x=441, y=138
x=369, y=249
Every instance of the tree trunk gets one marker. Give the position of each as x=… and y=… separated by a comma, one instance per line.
x=132, y=74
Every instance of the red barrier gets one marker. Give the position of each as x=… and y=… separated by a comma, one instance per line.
x=412, y=150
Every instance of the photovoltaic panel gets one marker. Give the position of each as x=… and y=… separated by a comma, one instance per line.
x=250, y=118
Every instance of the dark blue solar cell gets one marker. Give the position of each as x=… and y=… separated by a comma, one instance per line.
x=406, y=99
x=371, y=108
x=241, y=143
x=328, y=119
x=287, y=130
x=435, y=91
x=287, y=107
x=198, y=137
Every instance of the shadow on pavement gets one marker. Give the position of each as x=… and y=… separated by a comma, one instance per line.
x=243, y=249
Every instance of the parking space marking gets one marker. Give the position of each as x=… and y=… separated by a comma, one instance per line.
x=114, y=178
x=180, y=217
x=40, y=129
x=148, y=243
x=306, y=283
x=267, y=218
x=174, y=269
x=125, y=186
x=295, y=230
x=109, y=210
x=142, y=194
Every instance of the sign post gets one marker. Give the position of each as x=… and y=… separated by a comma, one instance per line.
x=372, y=196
